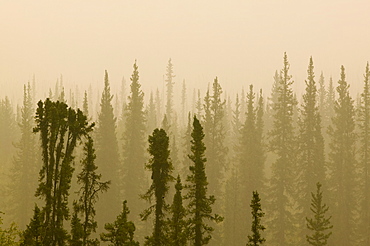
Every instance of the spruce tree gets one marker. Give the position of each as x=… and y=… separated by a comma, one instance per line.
x=256, y=238
x=319, y=225
x=169, y=86
x=25, y=165
x=107, y=157
x=161, y=167
x=282, y=144
x=60, y=128
x=342, y=164
x=177, y=223
x=364, y=151
x=199, y=203
x=121, y=231
x=33, y=235
x=134, y=145
x=88, y=193
x=311, y=160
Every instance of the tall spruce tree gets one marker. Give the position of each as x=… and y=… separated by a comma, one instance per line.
x=134, y=145
x=319, y=225
x=161, y=167
x=25, y=165
x=33, y=234
x=311, y=159
x=200, y=204
x=60, y=128
x=364, y=151
x=107, y=157
x=282, y=144
x=342, y=164
x=256, y=238
x=88, y=193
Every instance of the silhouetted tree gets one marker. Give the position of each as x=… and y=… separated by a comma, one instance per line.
x=319, y=224
x=200, y=204
x=121, y=231
x=169, y=86
x=33, y=235
x=161, y=167
x=256, y=238
x=60, y=128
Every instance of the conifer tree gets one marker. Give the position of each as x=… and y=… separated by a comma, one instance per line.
x=107, y=155
x=151, y=114
x=33, y=235
x=183, y=102
x=282, y=143
x=364, y=138
x=60, y=128
x=319, y=224
x=169, y=86
x=134, y=145
x=121, y=231
x=177, y=223
x=311, y=160
x=342, y=164
x=256, y=238
x=88, y=193
x=77, y=230
x=200, y=204
x=25, y=167
x=161, y=167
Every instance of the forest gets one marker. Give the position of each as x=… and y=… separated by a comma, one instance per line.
x=83, y=167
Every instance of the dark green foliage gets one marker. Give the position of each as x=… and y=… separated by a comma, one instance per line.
x=200, y=205
x=134, y=145
x=33, y=235
x=177, y=224
x=161, y=168
x=320, y=223
x=257, y=227
x=107, y=156
x=60, y=128
x=311, y=163
x=282, y=143
x=77, y=230
x=342, y=165
x=88, y=193
x=121, y=231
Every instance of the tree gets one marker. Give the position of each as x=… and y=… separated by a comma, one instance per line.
x=282, y=144
x=319, y=224
x=88, y=193
x=161, y=167
x=108, y=159
x=257, y=227
x=134, y=144
x=169, y=85
x=60, y=128
x=311, y=164
x=177, y=223
x=342, y=164
x=8, y=236
x=200, y=204
x=25, y=165
x=121, y=231
x=33, y=235
x=364, y=138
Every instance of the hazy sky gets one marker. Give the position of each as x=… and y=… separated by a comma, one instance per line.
x=241, y=42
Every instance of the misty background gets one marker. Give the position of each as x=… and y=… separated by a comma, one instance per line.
x=241, y=42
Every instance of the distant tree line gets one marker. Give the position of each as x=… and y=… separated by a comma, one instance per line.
x=69, y=181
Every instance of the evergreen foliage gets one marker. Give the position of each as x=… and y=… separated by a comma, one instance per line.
x=33, y=235
x=200, y=204
x=121, y=231
x=169, y=86
x=256, y=238
x=320, y=223
x=161, y=167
